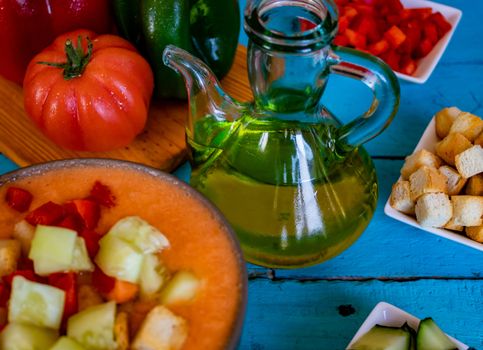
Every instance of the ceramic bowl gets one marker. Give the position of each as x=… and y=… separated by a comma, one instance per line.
x=386, y=314
x=428, y=142
x=427, y=64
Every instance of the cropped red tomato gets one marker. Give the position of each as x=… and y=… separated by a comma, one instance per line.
x=95, y=97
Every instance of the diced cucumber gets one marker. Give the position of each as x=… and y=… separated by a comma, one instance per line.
x=52, y=249
x=93, y=327
x=412, y=332
x=66, y=343
x=153, y=276
x=181, y=288
x=81, y=260
x=431, y=337
x=119, y=259
x=18, y=336
x=383, y=338
x=35, y=303
x=140, y=234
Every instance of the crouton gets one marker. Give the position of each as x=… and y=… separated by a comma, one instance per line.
x=9, y=254
x=467, y=124
x=417, y=160
x=450, y=225
x=475, y=233
x=426, y=180
x=470, y=162
x=161, y=330
x=451, y=145
x=475, y=185
x=400, y=198
x=444, y=119
x=24, y=233
x=87, y=296
x=467, y=210
x=479, y=139
x=454, y=181
x=121, y=331
x=433, y=209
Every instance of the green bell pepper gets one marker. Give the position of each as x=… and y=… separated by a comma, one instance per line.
x=207, y=28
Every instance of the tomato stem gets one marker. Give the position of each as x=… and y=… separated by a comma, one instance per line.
x=77, y=59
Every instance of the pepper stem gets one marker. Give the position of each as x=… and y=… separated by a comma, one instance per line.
x=77, y=59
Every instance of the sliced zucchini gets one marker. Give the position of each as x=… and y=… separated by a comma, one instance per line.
x=153, y=276
x=17, y=336
x=35, y=303
x=140, y=234
x=181, y=288
x=93, y=327
x=383, y=338
x=117, y=258
x=66, y=343
x=81, y=260
x=52, y=249
x=431, y=337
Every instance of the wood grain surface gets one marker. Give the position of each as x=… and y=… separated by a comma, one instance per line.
x=161, y=145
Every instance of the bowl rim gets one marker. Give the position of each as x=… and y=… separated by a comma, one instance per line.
x=41, y=168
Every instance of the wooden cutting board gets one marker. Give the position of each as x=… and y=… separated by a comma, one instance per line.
x=162, y=144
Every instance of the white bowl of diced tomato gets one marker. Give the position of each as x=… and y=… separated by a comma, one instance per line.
x=409, y=35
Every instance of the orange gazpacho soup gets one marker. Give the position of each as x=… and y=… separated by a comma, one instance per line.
x=199, y=239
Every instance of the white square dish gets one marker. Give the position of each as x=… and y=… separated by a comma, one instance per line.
x=388, y=315
x=427, y=64
x=428, y=141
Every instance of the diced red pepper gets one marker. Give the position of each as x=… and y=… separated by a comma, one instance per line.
x=355, y=39
x=442, y=24
x=49, y=213
x=68, y=283
x=379, y=47
x=395, y=36
x=18, y=199
x=102, y=194
x=88, y=210
x=28, y=274
x=102, y=282
x=91, y=238
x=72, y=221
x=4, y=295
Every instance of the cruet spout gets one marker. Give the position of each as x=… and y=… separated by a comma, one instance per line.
x=205, y=95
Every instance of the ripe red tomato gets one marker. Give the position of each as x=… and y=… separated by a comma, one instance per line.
x=89, y=98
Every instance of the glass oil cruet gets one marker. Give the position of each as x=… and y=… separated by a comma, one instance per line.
x=293, y=181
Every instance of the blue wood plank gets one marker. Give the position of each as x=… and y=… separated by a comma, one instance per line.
x=294, y=315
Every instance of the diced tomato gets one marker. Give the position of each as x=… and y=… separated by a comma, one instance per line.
x=395, y=36
x=392, y=59
x=91, y=238
x=102, y=282
x=407, y=65
x=355, y=39
x=424, y=47
x=305, y=24
x=441, y=23
x=4, y=295
x=28, y=274
x=413, y=37
x=341, y=40
x=395, y=6
x=102, y=194
x=49, y=213
x=421, y=13
x=365, y=25
x=88, y=210
x=430, y=32
x=349, y=12
x=25, y=264
x=380, y=47
x=18, y=199
x=67, y=282
x=72, y=221
x=343, y=24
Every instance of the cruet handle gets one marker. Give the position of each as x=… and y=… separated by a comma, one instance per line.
x=376, y=75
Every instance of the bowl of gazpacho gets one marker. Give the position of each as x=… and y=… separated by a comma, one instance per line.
x=105, y=254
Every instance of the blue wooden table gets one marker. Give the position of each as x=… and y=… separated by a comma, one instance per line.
x=421, y=273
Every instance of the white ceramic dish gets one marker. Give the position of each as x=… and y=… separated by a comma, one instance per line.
x=388, y=315
x=427, y=64
x=428, y=141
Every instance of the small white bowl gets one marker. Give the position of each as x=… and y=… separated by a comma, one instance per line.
x=427, y=64
x=428, y=142
x=386, y=314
